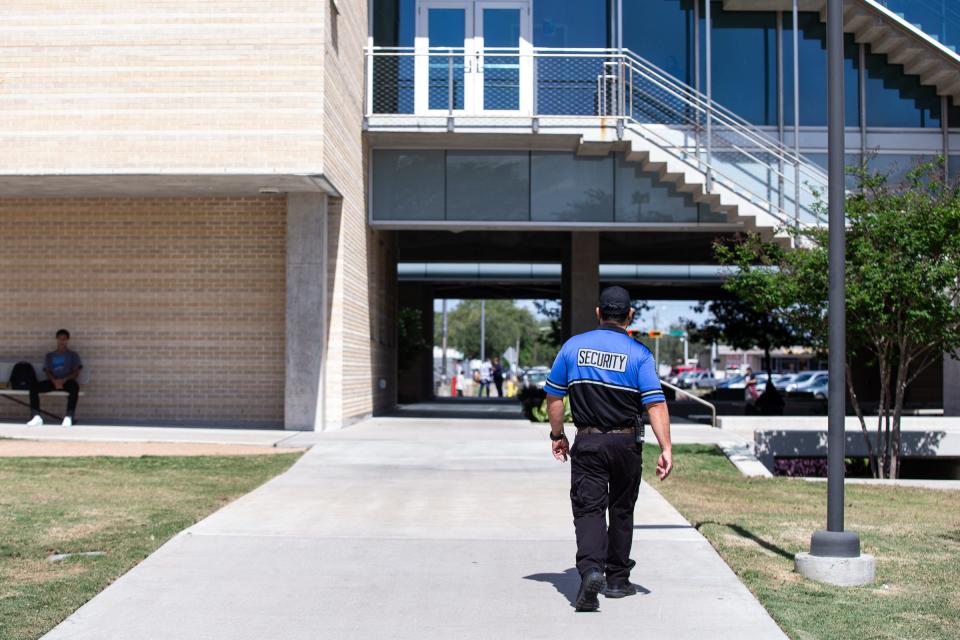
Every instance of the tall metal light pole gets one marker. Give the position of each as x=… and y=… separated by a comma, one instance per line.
x=835, y=554
x=483, y=330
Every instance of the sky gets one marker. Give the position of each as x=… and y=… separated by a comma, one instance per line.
x=662, y=314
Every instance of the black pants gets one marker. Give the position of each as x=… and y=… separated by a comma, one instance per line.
x=499, y=385
x=44, y=386
x=605, y=475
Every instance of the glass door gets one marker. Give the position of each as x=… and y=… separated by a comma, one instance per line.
x=473, y=57
x=445, y=59
x=504, y=62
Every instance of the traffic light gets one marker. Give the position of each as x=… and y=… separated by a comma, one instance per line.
x=654, y=334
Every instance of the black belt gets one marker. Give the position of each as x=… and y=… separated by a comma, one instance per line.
x=582, y=430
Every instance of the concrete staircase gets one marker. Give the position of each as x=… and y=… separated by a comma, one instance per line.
x=674, y=170
x=887, y=33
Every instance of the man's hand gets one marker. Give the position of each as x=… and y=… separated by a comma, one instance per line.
x=665, y=464
x=58, y=383
x=560, y=448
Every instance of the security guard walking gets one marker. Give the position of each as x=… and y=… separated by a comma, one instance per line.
x=610, y=379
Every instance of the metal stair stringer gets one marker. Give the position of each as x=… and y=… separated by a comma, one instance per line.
x=671, y=168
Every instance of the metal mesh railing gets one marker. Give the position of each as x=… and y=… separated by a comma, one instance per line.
x=600, y=88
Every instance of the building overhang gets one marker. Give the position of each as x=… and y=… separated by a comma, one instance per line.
x=159, y=184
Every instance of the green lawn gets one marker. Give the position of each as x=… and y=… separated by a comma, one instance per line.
x=125, y=507
x=757, y=525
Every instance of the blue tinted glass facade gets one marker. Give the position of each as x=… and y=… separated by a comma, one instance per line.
x=813, y=73
x=566, y=24
x=662, y=31
x=938, y=18
x=745, y=63
x=895, y=99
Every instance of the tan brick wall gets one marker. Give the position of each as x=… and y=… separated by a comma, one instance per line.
x=362, y=281
x=89, y=86
x=176, y=305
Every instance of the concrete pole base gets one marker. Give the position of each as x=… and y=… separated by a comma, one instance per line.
x=843, y=572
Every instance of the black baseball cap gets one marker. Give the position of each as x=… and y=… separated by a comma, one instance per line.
x=614, y=301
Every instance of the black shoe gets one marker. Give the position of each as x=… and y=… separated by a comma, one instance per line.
x=620, y=590
x=591, y=584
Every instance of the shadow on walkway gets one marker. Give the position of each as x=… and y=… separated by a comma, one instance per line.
x=568, y=583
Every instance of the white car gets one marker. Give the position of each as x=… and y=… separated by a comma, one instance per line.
x=806, y=379
x=701, y=380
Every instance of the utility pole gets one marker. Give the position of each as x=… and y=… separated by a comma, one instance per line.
x=443, y=345
x=835, y=554
x=483, y=330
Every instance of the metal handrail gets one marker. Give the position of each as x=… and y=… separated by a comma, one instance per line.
x=685, y=108
x=713, y=409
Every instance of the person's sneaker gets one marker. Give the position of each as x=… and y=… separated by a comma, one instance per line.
x=592, y=583
x=36, y=421
x=620, y=590
x=67, y=422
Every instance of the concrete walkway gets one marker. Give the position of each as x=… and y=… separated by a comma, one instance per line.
x=412, y=528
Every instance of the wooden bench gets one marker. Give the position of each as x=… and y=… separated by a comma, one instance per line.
x=17, y=395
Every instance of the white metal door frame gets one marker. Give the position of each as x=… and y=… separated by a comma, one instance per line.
x=470, y=55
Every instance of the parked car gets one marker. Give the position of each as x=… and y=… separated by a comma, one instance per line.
x=799, y=379
x=806, y=379
x=784, y=380
x=733, y=382
x=819, y=388
x=679, y=374
x=535, y=378
x=702, y=380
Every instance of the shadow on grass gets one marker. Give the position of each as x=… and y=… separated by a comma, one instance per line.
x=749, y=535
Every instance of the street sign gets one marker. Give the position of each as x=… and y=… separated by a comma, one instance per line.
x=679, y=333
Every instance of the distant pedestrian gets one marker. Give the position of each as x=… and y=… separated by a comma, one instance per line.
x=750, y=393
x=498, y=376
x=486, y=377
x=457, y=383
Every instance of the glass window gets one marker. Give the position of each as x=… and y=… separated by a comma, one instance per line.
x=641, y=198
x=446, y=28
x=813, y=72
x=953, y=167
x=895, y=99
x=393, y=26
x=938, y=18
x=470, y=175
x=566, y=24
x=895, y=165
x=408, y=185
x=501, y=73
x=662, y=31
x=745, y=63
x=567, y=188
x=394, y=22
x=850, y=161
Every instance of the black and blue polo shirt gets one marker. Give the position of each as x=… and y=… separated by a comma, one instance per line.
x=609, y=377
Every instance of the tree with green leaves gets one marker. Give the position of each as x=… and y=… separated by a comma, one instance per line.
x=902, y=288
x=505, y=324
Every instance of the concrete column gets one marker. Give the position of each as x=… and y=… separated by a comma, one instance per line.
x=951, y=386
x=415, y=373
x=581, y=283
x=306, y=312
